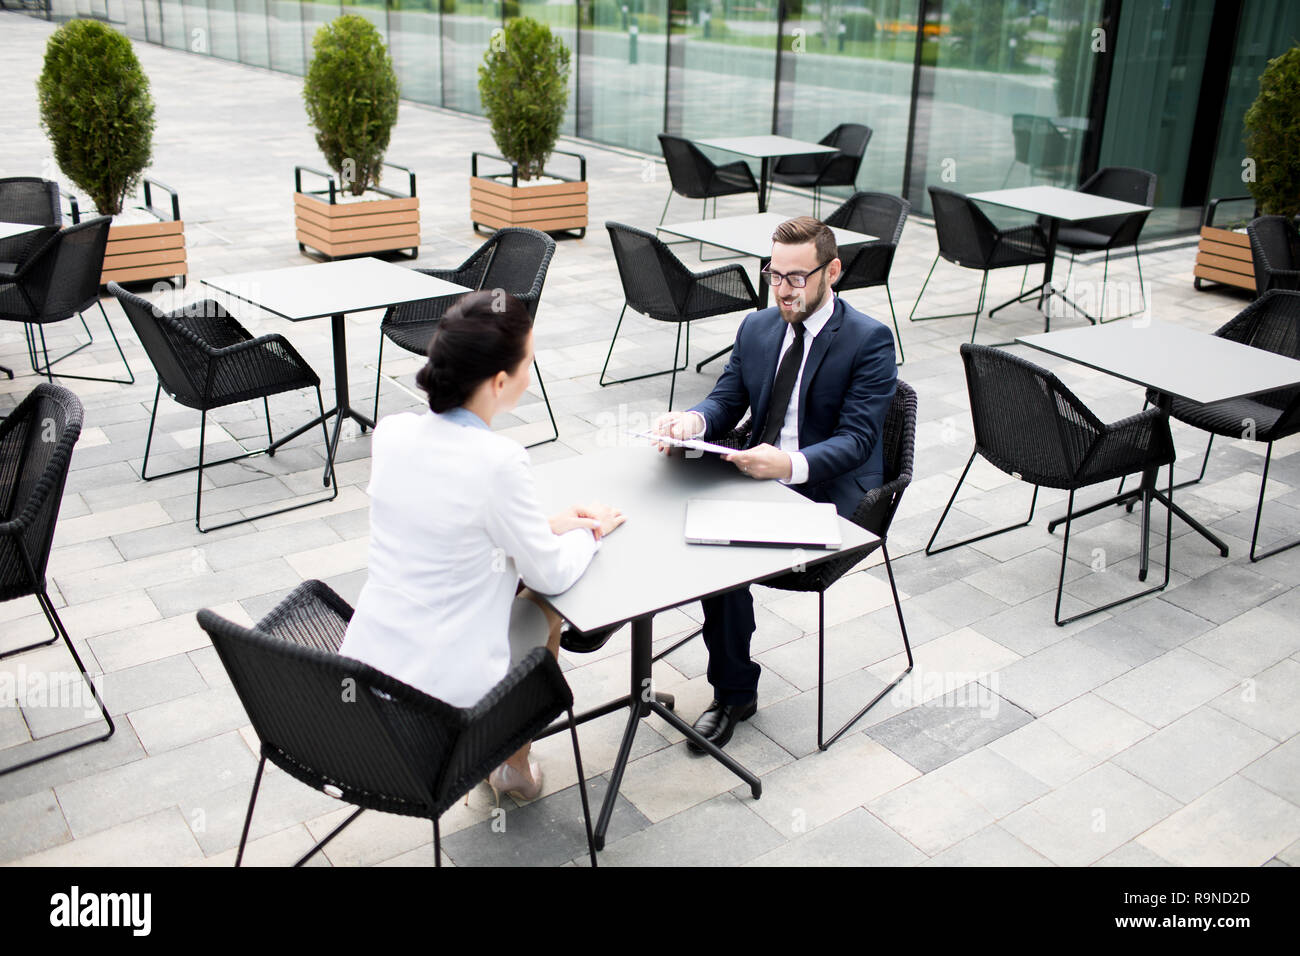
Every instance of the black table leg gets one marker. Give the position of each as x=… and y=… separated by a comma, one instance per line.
x=764, y=171
x=342, y=409
x=641, y=702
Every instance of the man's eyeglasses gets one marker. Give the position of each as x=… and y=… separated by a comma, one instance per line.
x=797, y=280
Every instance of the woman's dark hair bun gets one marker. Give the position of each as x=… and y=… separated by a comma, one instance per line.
x=483, y=333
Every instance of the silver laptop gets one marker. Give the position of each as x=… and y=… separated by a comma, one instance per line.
x=804, y=524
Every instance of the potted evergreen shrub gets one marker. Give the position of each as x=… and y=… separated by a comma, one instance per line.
x=98, y=114
x=1272, y=139
x=351, y=95
x=523, y=82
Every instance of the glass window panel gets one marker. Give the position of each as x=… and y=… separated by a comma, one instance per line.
x=843, y=62
x=722, y=72
x=315, y=14
x=254, y=28
x=1267, y=30
x=465, y=37
x=1000, y=96
x=132, y=22
x=372, y=10
x=198, y=31
x=1155, y=88
x=562, y=18
x=173, y=24
x=286, y=45
x=622, y=49
x=223, y=39
x=414, y=41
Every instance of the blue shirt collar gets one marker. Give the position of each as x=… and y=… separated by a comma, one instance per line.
x=460, y=415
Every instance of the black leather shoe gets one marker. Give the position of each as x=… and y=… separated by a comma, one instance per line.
x=718, y=723
x=584, y=642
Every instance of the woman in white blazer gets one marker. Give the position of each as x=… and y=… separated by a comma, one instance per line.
x=455, y=526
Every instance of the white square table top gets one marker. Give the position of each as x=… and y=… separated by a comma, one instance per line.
x=8, y=229
x=751, y=235
x=765, y=147
x=333, y=288
x=1169, y=358
x=1067, y=205
x=646, y=566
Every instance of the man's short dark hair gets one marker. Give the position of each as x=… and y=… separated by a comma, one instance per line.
x=801, y=229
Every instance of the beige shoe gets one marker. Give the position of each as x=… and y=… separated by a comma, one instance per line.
x=506, y=779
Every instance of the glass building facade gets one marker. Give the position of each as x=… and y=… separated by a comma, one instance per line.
x=969, y=94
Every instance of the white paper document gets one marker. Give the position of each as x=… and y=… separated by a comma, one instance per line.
x=694, y=444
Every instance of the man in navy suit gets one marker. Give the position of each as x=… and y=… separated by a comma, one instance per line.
x=818, y=376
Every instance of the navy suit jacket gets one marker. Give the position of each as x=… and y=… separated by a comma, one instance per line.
x=847, y=385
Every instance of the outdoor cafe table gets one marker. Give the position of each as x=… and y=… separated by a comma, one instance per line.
x=1056, y=205
x=752, y=236
x=10, y=229
x=298, y=293
x=766, y=149
x=646, y=566
x=1176, y=363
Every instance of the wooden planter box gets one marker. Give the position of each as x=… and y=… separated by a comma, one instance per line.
x=499, y=201
x=1223, y=255
x=336, y=228
x=147, y=250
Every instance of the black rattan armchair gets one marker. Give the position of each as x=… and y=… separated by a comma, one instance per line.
x=875, y=512
x=1275, y=250
x=30, y=200
x=816, y=171
x=1032, y=427
x=969, y=239
x=867, y=264
x=695, y=176
x=56, y=282
x=36, y=442
x=360, y=736
x=204, y=360
x=1110, y=232
x=1272, y=323
x=513, y=259
x=656, y=284
x=1039, y=145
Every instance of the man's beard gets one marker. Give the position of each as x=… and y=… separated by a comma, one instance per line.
x=810, y=302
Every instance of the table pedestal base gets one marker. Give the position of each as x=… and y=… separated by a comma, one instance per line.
x=641, y=703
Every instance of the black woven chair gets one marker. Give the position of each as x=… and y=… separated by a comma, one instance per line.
x=1110, y=232
x=875, y=512
x=816, y=171
x=1275, y=250
x=1272, y=323
x=513, y=259
x=205, y=359
x=1032, y=427
x=866, y=265
x=695, y=176
x=1039, y=145
x=30, y=200
x=655, y=283
x=969, y=239
x=360, y=736
x=56, y=282
x=36, y=442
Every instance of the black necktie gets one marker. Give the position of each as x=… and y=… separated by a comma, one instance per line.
x=783, y=388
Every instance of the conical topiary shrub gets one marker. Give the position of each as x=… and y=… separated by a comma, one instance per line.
x=1273, y=137
x=524, y=85
x=97, y=111
x=351, y=93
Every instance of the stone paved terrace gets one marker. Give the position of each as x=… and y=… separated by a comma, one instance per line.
x=1162, y=733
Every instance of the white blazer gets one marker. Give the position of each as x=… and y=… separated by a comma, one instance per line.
x=454, y=524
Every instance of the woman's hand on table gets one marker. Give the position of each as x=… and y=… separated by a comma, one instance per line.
x=599, y=519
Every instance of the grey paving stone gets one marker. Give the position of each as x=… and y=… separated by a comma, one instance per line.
x=1225, y=593
x=30, y=824
x=1238, y=823
x=1250, y=642
x=546, y=832
x=720, y=832
x=1194, y=753
x=1164, y=689
x=941, y=730
x=854, y=839
x=1266, y=702
x=1278, y=770
x=992, y=846
x=1056, y=675
x=1142, y=631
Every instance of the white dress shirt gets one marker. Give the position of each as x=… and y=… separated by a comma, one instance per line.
x=788, y=439
x=455, y=523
